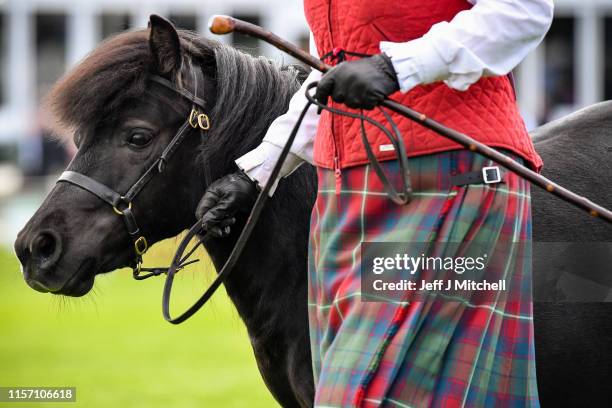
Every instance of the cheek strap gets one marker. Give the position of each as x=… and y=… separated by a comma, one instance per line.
x=121, y=205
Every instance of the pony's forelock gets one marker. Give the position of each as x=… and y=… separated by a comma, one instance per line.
x=112, y=73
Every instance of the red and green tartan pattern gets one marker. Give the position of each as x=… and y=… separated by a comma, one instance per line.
x=433, y=353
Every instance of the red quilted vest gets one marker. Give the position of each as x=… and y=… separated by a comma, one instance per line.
x=487, y=111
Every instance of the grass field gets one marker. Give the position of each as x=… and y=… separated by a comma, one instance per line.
x=115, y=347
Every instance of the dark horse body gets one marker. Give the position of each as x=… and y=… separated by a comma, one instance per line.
x=74, y=236
x=574, y=340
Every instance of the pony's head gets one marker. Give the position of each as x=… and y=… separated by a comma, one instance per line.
x=121, y=121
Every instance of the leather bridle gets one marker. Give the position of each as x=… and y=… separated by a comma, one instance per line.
x=122, y=203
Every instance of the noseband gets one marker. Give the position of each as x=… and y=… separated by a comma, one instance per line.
x=122, y=203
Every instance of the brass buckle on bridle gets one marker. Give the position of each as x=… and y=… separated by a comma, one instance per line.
x=120, y=212
x=198, y=119
x=141, y=245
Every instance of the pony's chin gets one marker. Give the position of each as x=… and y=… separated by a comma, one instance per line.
x=83, y=280
x=80, y=283
x=77, y=288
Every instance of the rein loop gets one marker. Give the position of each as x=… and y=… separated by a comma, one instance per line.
x=179, y=260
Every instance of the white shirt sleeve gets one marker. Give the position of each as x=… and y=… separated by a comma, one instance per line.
x=258, y=163
x=489, y=39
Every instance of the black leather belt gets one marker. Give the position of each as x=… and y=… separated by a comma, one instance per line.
x=487, y=175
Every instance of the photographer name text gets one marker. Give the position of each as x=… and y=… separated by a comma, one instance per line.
x=439, y=285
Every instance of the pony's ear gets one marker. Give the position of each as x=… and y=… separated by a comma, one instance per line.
x=164, y=44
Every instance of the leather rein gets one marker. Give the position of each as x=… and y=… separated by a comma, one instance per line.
x=180, y=258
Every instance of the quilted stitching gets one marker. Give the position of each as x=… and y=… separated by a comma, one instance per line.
x=487, y=111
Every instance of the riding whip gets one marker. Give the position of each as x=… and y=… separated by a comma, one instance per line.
x=226, y=24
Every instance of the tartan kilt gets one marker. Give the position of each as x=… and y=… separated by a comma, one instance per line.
x=430, y=353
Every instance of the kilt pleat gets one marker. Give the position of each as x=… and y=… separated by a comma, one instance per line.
x=430, y=353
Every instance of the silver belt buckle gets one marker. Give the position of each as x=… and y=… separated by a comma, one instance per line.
x=491, y=175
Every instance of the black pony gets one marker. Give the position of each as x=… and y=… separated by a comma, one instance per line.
x=121, y=122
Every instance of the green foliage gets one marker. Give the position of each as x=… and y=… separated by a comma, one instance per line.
x=115, y=347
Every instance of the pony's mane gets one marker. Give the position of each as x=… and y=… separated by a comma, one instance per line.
x=250, y=92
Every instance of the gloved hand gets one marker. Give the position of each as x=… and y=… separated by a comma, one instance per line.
x=224, y=198
x=363, y=83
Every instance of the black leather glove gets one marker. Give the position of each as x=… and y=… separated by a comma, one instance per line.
x=359, y=84
x=224, y=198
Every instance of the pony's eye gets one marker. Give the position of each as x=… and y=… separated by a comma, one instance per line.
x=139, y=138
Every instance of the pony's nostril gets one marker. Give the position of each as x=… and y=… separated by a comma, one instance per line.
x=45, y=245
x=46, y=248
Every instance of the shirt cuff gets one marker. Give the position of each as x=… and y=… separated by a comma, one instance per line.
x=416, y=62
x=259, y=163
